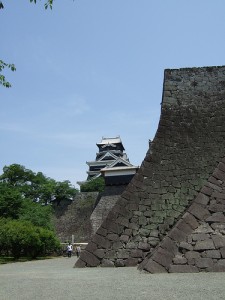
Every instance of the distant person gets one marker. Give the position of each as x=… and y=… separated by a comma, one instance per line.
x=78, y=250
x=69, y=250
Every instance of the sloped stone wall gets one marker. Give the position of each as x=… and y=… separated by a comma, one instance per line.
x=197, y=242
x=103, y=206
x=75, y=218
x=187, y=147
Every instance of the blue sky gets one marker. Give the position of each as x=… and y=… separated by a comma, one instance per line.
x=93, y=68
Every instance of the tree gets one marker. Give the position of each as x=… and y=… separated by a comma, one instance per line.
x=20, y=237
x=93, y=185
x=36, y=186
x=10, y=202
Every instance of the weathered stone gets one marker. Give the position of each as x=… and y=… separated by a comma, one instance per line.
x=99, y=253
x=80, y=264
x=131, y=262
x=202, y=198
x=217, y=207
x=219, y=241
x=185, y=245
x=122, y=253
x=199, y=236
x=204, y=228
x=191, y=220
x=163, y=257
x=110, y=254
x=179, y=260
x=204, y=245
x=90, y=259
x=122, y=221
x=107, y=263
x=117, y=245
x=112, y=237
x=136, y=253
x=91, y=247
x=199, y=211
x=133, y=226
x=183, y=269
x=102, y=231
x=169, y=245
x=204, y=262
x=124, y=238
x=192, y=255
x=153, y=241
x=206, y=190
x=181, y=225
x=177, y=235
x=144, y=232
x=219, y=174
x=218, y=195
x=144, y=246
x=154, y=233
x=222, y=251
x=216, y=217
x=212, y=254
x=154, y=267
x=101, y=241
x=119, y=263
x=216, y=268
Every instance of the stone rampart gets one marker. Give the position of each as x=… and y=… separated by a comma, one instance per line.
x=188, y=145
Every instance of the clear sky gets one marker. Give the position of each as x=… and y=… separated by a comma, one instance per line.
x=93, y=68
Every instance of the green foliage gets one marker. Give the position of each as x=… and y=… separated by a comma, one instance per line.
x=10, y=201
x=39, y=215
x=93, y=185
x=26, y=214
x=20, y=237
x=36, y=187
x=4, y=65
x=48, y=4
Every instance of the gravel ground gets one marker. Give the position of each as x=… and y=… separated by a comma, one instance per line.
x=57, y=279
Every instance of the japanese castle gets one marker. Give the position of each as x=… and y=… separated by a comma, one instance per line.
x=111, y=162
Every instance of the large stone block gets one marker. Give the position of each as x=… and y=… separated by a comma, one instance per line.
x=199, y=211
x=101, y=241
x=131, y=262
x=212, y=254
x=204, y=245
x=177, y=235
x=163, y=257
x=144, y=246
x=219, y=241
x=183, y=269
x=219, y=174
x=202, y=199
x=179, y=260
x=204, y=262
x=181, y=225
x=136, y=253
x=123, y=253
x=191, y=220
x=107, y=263
x=216, y=217
x=169, y=245
x=90, y=259
x=153, y=267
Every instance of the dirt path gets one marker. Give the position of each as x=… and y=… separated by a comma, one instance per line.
x=57, y=279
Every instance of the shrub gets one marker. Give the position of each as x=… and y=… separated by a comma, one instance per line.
x=23, y=238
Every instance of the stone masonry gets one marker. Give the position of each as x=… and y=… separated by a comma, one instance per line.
x=197, y=242
x=187, y=148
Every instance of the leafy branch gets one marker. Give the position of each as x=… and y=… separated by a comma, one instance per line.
x=3, y=80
